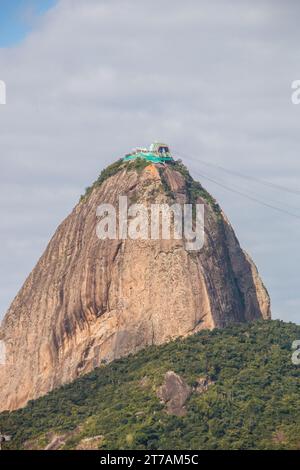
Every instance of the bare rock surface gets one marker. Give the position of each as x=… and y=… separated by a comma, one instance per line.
x=90, y=443
x=90, y=301
x=202, y=385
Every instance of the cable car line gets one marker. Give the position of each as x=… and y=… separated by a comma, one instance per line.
x=243, y=175
x=254, y=199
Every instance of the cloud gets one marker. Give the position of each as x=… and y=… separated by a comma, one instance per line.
x=96, y=78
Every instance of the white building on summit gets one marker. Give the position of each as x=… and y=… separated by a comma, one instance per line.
x=158, y=153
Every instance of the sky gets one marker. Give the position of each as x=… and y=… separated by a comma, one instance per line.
x=88, y=80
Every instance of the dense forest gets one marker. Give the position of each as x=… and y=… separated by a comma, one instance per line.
x=252, y=403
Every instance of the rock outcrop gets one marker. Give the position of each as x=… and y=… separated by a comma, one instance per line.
x=174, y=393
x=89, y=301
x=202, y=385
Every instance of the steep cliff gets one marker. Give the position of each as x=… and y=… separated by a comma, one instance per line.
x=89, y=301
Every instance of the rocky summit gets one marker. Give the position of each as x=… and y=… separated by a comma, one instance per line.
x=89, y=301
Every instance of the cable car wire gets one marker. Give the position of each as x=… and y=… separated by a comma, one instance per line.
x=243, y=175
x=254, y=199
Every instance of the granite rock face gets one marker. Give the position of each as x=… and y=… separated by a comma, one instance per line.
x=89, y=301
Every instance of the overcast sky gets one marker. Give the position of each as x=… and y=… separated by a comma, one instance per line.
x=90, y=79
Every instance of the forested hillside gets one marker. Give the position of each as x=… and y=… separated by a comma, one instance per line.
x=252, y=400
